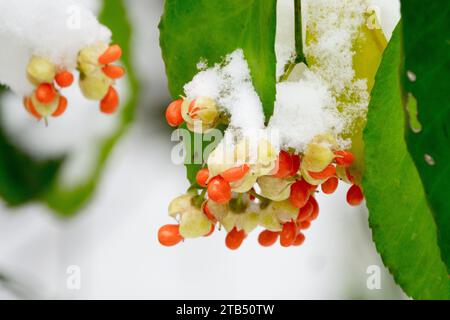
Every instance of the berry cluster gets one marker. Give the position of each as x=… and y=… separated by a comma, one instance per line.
x=97, y=76
x=287, y=181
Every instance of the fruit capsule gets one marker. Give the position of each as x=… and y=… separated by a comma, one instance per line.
x=327, y=173
x=234, y=239
x=169, y=235
x=267, y=238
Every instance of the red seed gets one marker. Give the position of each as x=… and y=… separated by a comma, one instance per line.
x=234, y=239
x=300, y=192
x=202, y=176
x=111, y=54
x=235, y=174
x=305, y=225
x=62, y=106
x=64, y=78
x=267, y=238
x=299, y=240
x=219, y=190
x=31, y=109
x=113, y=72
x=110, y=102
x=355, y=195
x=45, y=93
x=173, y=113
x=288, y=234
x=344, y=158
x=169, y=235
x=295, y=165
x=328, y=172
x=330, y=186
x=284, y=163
x=315, y=212
x=305, y=212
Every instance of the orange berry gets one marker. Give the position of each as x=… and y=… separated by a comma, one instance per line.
x=209, y=214
x=344, y=158
x=111, y=54
x=300, y=192
x=299, y=240
x=315, y=212
x=31, y=109
x=328, y=172
x=284, y=163
x=305, y=212
x=234, y=239
x=330, y=186
x=219, y=190
x=62, y=106
x=113, y=72
x=355, y=195
x=169, y=235
x=211, y=231
x=235, y=174
x=349, y=176
x=267, y=238
x=64, y=78
x=305, y=225
x=110, y=102
x=288, y=234
x=173, y=113
x=202, y=176
x=45, y=93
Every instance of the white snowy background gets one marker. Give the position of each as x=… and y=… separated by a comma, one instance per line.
x=113, y=240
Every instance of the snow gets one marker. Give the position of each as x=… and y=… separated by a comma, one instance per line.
x=55, y=29
x=230, y=84
x=304, y=109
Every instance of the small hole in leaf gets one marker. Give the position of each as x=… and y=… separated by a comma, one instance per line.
x=411, y=76
x=429, y=159
x=411, y=107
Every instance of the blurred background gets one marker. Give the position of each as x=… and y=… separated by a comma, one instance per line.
x=112, y=244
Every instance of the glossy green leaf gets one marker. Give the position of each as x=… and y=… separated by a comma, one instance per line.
x=191, y=30
x=426, y=32
x=402, y=224
x=69, y=201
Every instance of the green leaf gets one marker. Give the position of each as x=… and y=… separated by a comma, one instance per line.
x=191, y=30
x=23, y=178
x=427, y=58
x=403, y=227
x=68, y=201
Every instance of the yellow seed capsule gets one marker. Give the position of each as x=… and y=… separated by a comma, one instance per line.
x=274, y=188
x=95, y=86
x=88, y=58
x=45, y=109
x=200, y=114
x=317, y=157
x=40, y=70
x=194, y=224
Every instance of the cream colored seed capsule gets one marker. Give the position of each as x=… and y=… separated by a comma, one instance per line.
x=317, y=157
x=88, y=58
x=40, y=70
x=194, y=224
x=95, y=86
x=45, y=109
